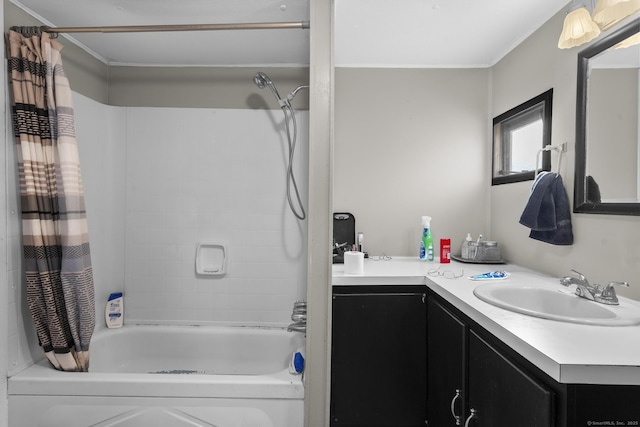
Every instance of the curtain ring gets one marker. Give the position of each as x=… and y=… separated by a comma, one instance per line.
x=52, y=33
x=27, y=31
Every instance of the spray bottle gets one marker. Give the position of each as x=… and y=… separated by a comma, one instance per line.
x=426, y=242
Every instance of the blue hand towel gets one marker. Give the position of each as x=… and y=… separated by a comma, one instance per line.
x=547, y=213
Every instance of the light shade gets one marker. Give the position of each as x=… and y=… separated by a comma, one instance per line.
x=631, y=41
x=609, y=12
x=578, y=28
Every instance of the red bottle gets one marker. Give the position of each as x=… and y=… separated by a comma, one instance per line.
x=445, y=251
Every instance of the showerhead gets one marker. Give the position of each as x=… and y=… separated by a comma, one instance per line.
x=261, y=80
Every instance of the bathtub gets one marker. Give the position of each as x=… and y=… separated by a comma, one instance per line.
x=168, y=376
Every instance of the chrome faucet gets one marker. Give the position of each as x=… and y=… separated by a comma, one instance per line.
x=299, y=317
x=603, y=294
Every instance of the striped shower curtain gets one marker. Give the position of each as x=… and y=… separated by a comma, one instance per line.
x=57, y=261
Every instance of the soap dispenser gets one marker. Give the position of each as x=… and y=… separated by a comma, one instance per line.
x=464, y=250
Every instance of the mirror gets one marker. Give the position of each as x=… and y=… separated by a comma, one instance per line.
x=607, y=172
x=518, y=138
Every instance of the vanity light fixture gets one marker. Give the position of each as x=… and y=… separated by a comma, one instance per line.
x=628, y=42
x=607, y=13
x=578, y=27
x=581, y=27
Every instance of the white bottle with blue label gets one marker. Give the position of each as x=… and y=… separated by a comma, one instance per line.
x=114, y=312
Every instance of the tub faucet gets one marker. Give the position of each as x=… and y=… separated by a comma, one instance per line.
x=603, y=294
x=299, y=317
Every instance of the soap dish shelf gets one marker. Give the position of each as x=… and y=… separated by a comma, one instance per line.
x=211, y=259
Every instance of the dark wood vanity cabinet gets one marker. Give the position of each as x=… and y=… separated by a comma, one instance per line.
x=474, y=376
x=468, y=379
x=501, y=394
x=403, y=356
x=446, y=366
x=378, y=356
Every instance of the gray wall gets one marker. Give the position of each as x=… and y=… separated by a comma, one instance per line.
x=412, y=142
x=210, y=87
x=605, y=246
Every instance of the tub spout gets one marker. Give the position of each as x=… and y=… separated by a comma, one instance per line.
x=299, y=317
x=295, y=327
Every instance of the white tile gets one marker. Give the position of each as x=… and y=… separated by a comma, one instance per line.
x=199, y=186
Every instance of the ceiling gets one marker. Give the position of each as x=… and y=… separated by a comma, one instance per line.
x=369, y=33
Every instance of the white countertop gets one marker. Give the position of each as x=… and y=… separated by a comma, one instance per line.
x=567, y=352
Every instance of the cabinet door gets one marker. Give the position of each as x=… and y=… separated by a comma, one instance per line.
x=378, y=360
x=615, y=405
x=446, y=349
x=503, y=395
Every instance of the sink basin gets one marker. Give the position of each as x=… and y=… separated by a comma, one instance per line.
x=556, y=304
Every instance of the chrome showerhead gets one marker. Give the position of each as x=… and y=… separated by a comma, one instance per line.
x=261, y=80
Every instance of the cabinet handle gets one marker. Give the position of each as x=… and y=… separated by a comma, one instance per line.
x=453, y=407
x=472, y=416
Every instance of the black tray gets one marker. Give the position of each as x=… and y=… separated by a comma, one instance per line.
x=471, y=261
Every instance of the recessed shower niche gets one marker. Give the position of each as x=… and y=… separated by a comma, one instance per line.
x=211, y=259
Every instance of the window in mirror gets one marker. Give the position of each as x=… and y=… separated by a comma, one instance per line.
x=518, y=136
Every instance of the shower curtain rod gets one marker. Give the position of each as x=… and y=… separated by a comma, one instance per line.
x=188, y=27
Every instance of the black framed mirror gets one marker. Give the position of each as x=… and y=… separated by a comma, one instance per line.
x=607, y=168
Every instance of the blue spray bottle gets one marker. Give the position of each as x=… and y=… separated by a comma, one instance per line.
x=426, y=242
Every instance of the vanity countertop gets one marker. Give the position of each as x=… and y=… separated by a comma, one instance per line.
x=569, y=353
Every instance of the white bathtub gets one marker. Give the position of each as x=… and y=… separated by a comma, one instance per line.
x=168, y=376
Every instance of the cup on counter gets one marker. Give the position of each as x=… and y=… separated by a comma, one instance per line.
x=473, y=251
x=353, y=262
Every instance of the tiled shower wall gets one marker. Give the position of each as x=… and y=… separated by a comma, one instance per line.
x=159, y=180
x=211, y=176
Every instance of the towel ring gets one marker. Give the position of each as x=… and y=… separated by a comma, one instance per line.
x=559, y=148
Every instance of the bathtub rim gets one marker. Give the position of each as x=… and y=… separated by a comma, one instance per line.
x=41, y=379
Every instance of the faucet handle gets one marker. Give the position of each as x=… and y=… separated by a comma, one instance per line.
x=608, y=293
x=581, y=276
x=623, y=284
x=609, y=286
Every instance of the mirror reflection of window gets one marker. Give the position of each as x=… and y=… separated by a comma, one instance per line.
x=518, y=136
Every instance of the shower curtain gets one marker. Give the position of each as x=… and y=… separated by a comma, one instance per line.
x=57, y=260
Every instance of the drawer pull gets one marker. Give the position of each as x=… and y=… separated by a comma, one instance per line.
x=453, y=407
x=473, y=415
